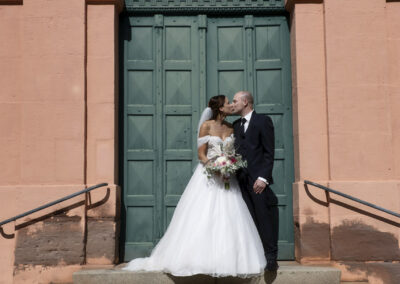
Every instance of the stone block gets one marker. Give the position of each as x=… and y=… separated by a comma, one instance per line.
x=352, y=157
x=352, y=270
x=361, y=233
x=102, y=121
x=105, y=202
x=58, y=240
x=315, y=240
x=39, y=274
x=30, y=197
x=313, y=157
x=312, y=232
x=49, y=132
x=102, y=241
x=10, y=156
x=101, y=80
x=69, y=155
x=7, y=240
x=356, y=241
x=310, y=202
x=384, y=273
x=101, y=38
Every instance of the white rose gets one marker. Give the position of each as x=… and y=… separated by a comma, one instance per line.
x=222, y=159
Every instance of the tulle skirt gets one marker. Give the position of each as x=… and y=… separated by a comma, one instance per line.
x=211, y=232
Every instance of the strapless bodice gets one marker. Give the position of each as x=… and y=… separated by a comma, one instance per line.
x=216, y=145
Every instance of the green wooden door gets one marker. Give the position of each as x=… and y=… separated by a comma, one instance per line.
x=161, y=107
x=252, y=53
x=172, y=65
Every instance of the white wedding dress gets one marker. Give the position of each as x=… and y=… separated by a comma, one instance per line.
x=211, y=231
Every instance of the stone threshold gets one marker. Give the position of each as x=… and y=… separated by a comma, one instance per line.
x=289, y=272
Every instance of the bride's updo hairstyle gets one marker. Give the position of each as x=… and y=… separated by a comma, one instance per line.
x=215, y=104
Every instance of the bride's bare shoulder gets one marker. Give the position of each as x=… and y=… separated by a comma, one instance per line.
x=206, y=124
x=205, y=128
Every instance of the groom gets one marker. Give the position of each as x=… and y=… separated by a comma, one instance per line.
x=254, y=140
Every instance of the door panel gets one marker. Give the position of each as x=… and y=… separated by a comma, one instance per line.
x=181, y=107
x=140, y=139
x=272, y=93
x=226, y=49
x=172, y=66
x=161, y=80
x=252, y=53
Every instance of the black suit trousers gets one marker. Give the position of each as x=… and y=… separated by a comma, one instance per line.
x=263, y=208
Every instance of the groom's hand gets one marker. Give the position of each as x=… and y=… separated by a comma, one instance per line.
x=259, y=186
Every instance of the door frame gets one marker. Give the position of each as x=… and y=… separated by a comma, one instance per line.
x=220, y=11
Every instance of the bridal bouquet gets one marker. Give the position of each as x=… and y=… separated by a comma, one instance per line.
x=226, y=164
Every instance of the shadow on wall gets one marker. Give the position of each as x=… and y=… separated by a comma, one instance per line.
x=350, y=207
x=54, y=238
x=61, y=211
x=379, y=272
x=353, y=243
x=356, y=241
x=315, y=239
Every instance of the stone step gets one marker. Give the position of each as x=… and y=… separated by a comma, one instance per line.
x=288, y=273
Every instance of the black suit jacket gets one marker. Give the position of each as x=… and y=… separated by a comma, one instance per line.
x=257, y=146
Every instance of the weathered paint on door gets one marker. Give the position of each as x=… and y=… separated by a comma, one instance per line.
x=171, y=67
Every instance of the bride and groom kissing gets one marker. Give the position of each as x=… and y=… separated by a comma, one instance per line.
x=222, y=232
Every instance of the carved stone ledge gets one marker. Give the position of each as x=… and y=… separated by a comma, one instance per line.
x=11, y=2
x=204, y=6
x=289, y=4
x=119, y=4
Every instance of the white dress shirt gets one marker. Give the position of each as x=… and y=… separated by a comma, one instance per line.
x=246, y=125
x=247, y=117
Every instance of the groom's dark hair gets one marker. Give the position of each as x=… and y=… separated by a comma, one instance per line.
x=215, y=103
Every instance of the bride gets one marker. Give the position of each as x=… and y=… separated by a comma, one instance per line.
x=211, y=231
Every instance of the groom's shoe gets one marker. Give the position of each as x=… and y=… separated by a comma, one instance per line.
x=272, y=265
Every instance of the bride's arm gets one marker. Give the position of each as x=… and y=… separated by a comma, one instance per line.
x=202, y=150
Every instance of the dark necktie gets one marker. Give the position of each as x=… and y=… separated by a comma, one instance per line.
x=243, y=121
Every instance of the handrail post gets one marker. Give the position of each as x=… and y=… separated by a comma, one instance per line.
x=86, y=190
x=352, y=198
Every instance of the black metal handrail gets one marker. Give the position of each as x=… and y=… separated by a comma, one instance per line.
x=52, y=203
x=352, y=198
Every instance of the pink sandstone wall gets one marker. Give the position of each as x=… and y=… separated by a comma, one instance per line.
x=57, y=106
x=58, y=122
x=310, y=134
x=346, y=95
x=102, y=131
